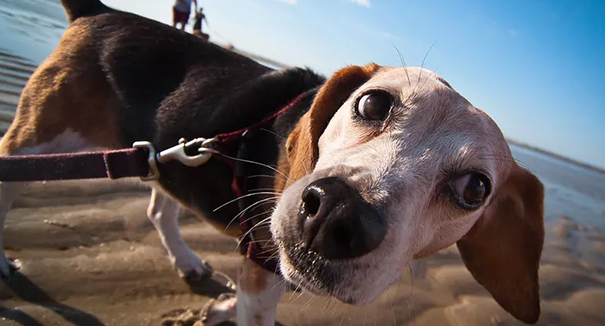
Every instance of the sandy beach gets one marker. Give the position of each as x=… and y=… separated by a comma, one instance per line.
x=89, y=256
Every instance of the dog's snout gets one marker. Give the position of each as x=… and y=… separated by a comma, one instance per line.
x=337, y=222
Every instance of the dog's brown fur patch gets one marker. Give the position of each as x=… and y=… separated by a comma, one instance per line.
x=67, y=91
x=302, y=149
x=504, y=247
x=253, y=279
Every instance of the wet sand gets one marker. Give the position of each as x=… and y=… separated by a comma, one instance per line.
x=89, y=256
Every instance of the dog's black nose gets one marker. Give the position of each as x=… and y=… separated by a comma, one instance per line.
x=337, y=223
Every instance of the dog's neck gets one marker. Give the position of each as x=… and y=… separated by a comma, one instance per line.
x=210, y=186
x=267, y=145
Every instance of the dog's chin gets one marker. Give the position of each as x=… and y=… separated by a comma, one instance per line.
x=339, y=279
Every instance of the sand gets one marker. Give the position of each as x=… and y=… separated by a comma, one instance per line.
x=89, y=256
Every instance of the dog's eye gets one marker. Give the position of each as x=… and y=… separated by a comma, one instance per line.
x=470, y=190
x=374, y=106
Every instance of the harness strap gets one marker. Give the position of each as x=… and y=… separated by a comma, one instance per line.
x=114, y=164
x=246, y=244
x=230, y=136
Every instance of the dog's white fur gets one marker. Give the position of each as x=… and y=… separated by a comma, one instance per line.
x=433, y=131
x=163, y=212
x=258, y=308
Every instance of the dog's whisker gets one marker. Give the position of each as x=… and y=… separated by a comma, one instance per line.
x=424, y=83
x=307, y=305
x=273, y=133
x=261, y=243
x=249, y=207
x=415, y=90
x=266, y=189
x=332, y=310
x=261, y=176
x=273, y=255
x=283, y=281
x=252, y=229
x=327, y=306
x=344, y=313
x=295, y=296
x=390, y=301
x=424, y=59
x=506, y=158
x=298, y=292
x=409, y=301
x=404, y=65
x=254, y=162
x=258, y=228
x=245, y=196
x=255, y=216
x=293, y=292
x=375, y=316
x=273, y=250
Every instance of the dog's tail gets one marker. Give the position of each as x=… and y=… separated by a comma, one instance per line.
x=79, y=8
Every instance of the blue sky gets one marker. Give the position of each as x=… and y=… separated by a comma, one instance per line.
x=536, y=67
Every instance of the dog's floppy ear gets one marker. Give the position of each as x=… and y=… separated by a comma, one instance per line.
x=502, y=250
x=302, y=148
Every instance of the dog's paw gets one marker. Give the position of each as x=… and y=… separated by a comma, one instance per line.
x=219, y=310
x=181, y=317
x=190, y=267
x=7, y=268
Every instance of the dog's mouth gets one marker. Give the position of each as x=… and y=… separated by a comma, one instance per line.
x=356, y=281
x=314, y=273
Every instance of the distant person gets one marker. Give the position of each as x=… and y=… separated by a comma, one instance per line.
x=181, y=11
x=197, y=25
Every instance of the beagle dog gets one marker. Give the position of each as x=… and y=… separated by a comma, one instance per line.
x=368, y=170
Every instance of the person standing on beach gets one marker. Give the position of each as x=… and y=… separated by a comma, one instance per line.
x=197, y=25
x=181, y=11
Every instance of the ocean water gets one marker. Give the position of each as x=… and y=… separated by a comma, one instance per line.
x=571, y=190
x=31, y=28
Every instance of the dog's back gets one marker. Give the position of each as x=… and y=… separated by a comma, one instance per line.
x=116, y=78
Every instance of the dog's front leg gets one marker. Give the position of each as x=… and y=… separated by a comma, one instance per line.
x=258, y=293
x=163, y=212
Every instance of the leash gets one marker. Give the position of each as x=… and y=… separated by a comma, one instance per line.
x=130, y=162
x=142, y=161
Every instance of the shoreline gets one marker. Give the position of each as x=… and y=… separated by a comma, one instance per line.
x=556, y=156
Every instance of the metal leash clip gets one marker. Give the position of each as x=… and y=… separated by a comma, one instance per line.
x=178, y=153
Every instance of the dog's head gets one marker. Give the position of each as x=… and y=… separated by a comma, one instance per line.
x=392, y=164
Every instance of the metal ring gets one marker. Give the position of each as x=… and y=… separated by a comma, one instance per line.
x=154, y=172
x=208, y=141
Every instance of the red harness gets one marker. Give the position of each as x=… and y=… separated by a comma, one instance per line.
x=246, y=245
x=134, y=162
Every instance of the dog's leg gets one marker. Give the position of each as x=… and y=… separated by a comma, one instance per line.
x=8, y=193
x=258, y=293
x=163, y=212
